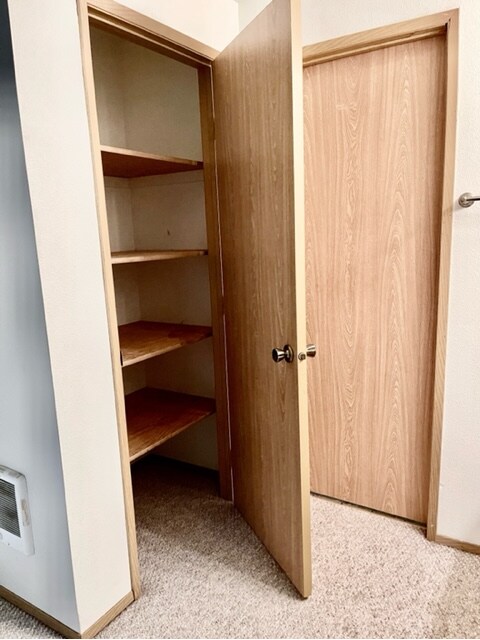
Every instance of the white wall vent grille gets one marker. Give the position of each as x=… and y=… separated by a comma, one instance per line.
x=15, y=524
x=8, y=508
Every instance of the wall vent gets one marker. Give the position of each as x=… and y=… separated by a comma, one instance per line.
x=15, y=524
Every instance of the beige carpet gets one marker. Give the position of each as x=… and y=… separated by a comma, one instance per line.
x=206, y=576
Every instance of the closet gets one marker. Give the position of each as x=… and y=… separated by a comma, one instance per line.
x=198, y=166
x=151, y=148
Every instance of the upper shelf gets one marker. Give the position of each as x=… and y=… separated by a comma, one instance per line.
x=125, y=163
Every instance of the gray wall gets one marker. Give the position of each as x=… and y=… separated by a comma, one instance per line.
x=28, y=428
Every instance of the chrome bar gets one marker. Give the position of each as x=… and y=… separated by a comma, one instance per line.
x=466, y=199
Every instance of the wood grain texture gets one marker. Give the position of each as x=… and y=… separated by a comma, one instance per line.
x=143, y=340
x=154, y=416
x=58, y=626
x=259, y=131
x=215, y=269
x=444, y=275
x=128, y=257
x=139, y=28
x=105, y=251
x=378, y=38
x=125, y=163
x=34, y=611
x=107, y=617
x=458, y=544
x=373, y=229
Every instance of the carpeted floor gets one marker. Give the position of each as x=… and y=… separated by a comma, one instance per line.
x=205, y=575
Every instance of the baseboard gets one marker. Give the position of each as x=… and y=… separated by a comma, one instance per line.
x=58, y=626
x=102, y=622
x=34, y=611
x=458, y=544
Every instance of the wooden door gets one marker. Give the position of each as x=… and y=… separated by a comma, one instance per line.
x=374, y=127
x=259, y=134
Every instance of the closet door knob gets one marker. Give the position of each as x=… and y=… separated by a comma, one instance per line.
x=283, y=354
x=310, y=352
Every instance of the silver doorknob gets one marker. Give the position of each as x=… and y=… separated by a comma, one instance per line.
x=310, y=352
x=283, y=354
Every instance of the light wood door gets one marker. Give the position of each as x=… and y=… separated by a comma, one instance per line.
x=259, y=133
x=374, y=127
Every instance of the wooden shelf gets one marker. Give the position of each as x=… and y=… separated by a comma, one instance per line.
x=142, y=340
x=125, y=257
x=124, y=163
x=155, y=416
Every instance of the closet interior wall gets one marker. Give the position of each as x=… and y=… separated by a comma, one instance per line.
x=150, y=103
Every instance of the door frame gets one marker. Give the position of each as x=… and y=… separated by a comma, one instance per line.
x=444, y=23
x=110, y=16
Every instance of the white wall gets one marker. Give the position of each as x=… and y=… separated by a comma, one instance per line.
x=59, y=168
x=213, y=22
x=248, y=9
x=28, y=424
x=166, y=120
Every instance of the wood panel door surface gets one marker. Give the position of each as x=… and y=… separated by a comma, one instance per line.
x=259, y=138
x=374, y=144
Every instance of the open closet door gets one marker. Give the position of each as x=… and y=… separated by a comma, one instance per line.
x=259, y=139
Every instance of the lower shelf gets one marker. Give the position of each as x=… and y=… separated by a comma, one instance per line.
x=142, y=340
x=154, y=416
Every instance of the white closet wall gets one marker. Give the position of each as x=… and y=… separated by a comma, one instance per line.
x=213, y=22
